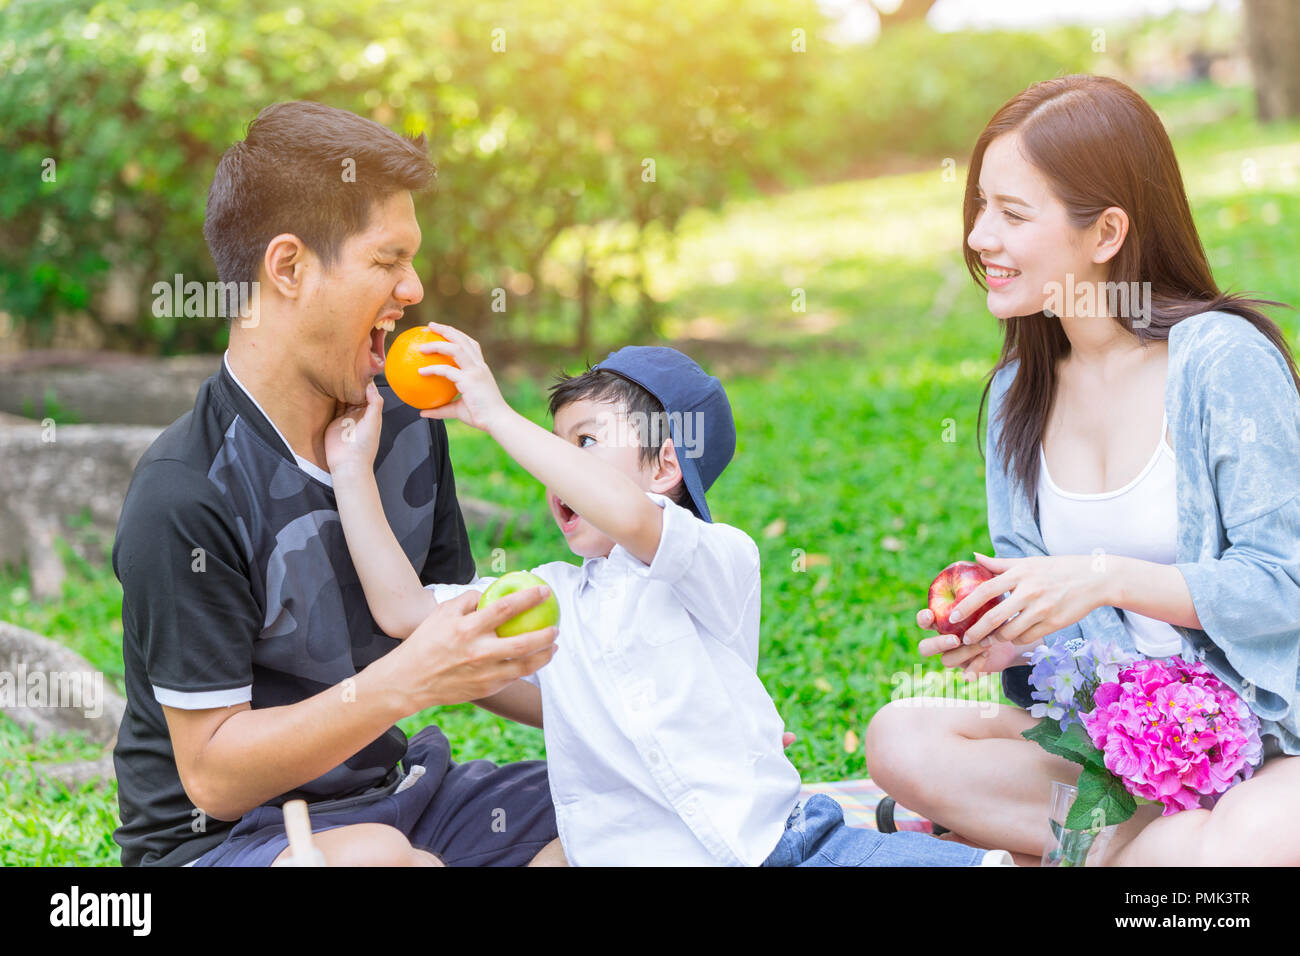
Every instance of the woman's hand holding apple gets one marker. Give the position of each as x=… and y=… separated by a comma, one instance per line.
x=1046, y=593
x=989, y=656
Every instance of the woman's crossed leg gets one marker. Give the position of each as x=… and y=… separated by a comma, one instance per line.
x=964, y=765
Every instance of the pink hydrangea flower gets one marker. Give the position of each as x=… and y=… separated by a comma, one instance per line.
x=1173, y=732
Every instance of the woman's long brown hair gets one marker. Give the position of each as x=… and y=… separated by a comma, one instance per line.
x=1099, y=144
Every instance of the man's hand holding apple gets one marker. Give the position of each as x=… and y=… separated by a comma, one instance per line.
x=455, y=655
x=546, y=614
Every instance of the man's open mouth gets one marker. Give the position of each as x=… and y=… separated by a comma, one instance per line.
x=377, y=334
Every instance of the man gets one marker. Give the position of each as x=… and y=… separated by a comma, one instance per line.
x=255, y=673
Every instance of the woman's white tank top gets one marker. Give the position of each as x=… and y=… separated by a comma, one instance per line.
x=1139, y=520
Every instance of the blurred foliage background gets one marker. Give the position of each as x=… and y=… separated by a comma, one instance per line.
x=834, y=173
x=570, y=138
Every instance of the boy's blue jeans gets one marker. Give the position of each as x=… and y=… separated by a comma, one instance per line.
x=816, y=835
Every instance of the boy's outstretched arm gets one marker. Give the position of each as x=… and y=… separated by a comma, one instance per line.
x=604, y=496
x=397, y=600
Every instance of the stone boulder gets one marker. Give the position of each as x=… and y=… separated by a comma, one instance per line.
x=70, y=481
x=63, y=481
x=49, y=690
x=103, y=387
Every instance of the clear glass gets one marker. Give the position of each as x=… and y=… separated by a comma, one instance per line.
x=1073, y=847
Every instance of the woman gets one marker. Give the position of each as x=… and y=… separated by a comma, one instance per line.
x=1143, y=477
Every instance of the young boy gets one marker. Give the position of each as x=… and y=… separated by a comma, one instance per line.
x=662, y=745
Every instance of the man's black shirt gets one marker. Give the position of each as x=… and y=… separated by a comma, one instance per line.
x=237, y=585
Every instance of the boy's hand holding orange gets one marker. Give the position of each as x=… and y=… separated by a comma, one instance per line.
x=480, y=403
x=402, y=369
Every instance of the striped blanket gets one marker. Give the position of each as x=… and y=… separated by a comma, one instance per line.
x=859, y=799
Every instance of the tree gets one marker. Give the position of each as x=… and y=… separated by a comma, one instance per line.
x=908, y=11
x=614, y=114
x=1272, y=29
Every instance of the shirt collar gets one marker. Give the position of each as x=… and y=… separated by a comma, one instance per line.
x=618, y=557
x=262, y=422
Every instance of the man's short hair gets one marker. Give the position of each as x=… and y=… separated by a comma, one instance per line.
x=601, y=386
x=310, y=170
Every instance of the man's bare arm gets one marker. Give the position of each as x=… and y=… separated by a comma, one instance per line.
x=233, y=759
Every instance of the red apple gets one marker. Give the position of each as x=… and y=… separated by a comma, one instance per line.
x=953, y=584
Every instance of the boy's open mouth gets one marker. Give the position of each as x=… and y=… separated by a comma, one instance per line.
x=568, y=517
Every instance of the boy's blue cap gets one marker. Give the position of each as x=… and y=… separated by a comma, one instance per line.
x=695, y=401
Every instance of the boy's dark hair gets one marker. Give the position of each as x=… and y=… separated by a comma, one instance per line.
x=601, y=386
x=290, y=174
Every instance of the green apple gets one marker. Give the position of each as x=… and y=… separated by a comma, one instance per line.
x=546, y=614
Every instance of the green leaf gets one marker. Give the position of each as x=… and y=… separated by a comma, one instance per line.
x=1047, y=727
x=1076, y=739
x=1047, y=734
x=1102, y=801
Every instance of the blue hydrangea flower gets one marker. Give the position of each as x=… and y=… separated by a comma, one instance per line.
x=1065, y=677
x=1110, y=660
x=1041, y=710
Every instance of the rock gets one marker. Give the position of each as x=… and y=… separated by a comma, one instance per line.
x=490, y=518
x=103, y=387
x=49, y=689
x=63, y=481
x=70, y=481
x=77, y=773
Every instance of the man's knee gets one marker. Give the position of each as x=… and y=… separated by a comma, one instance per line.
x=370, y=844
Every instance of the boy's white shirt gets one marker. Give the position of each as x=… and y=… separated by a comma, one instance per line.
x=662, y=745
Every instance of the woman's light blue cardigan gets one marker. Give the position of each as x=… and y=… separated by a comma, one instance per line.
x=1234, y=415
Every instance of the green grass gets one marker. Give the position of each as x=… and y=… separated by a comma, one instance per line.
x=841, y=457
x=43, y=822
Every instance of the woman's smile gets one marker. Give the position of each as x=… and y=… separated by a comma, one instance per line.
x=999, y=277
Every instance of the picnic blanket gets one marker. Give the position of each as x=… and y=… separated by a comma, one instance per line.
x=859, y=799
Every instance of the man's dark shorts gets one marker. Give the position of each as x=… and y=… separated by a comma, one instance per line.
x=469, y=814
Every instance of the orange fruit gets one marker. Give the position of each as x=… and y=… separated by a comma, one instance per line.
x=402, y=368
